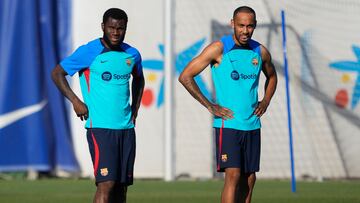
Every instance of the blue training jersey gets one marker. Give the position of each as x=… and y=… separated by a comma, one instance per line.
x=236, y=81
x=104, y=79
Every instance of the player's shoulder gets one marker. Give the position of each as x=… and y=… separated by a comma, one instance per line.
x=96, y=43
x=227, y=39
x=213, y=50
x=216, y=45
x=130, y=49
x=265, y=53
x=90, y=46
x=254, y=44
x=257, y=47
x=227, y=42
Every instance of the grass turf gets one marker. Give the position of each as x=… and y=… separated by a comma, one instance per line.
x=266, y=191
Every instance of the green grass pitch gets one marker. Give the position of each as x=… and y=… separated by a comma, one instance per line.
x=266, y=191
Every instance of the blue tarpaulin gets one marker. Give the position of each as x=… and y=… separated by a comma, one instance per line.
x=34, y=127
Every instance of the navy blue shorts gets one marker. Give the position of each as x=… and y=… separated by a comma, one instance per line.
x=237, y=149
x=113, y=154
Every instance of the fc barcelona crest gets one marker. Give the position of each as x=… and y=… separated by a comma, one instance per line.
x=128, y=62
x=255, y=61
x=104, y=171
x=224, y=157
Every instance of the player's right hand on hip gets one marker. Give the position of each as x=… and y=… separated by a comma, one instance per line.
x=220, y=111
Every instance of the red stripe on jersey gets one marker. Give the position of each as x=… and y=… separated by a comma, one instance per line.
x=87, y=78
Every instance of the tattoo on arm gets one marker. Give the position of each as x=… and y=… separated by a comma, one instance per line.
x=194, y=90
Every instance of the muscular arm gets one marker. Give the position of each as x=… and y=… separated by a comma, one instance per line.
x=58, y=76
x=212, y=53
x=270, y=83
x=137, y=89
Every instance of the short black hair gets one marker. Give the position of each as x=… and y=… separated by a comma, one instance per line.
x=245, y=9
x=115, y=13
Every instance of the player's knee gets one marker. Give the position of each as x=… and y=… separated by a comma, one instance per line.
x=106, y=187
x=233, y=175
x=252, y=177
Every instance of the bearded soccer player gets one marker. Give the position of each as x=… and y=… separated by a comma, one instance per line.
x=236, y=62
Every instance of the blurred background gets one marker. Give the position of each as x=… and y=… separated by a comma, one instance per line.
x=39, y=133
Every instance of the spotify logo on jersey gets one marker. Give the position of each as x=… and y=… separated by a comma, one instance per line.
x=106, y=76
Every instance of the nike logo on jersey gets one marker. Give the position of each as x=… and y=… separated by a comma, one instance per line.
x=11, y=117
x=103, y=61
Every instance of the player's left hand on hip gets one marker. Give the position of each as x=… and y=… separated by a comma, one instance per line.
x=261, y=108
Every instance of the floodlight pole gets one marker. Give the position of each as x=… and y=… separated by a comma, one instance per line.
x=168, y=101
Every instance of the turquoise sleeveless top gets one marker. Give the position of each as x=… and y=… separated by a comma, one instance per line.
x=236, y=81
